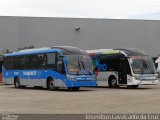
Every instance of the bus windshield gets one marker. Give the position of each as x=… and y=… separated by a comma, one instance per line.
x=79, y=65
x=143, y=65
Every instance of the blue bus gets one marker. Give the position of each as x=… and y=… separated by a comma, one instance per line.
x=53, y=67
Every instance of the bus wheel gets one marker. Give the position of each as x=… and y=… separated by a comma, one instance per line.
x=113, y=82
x=17, y=83
x=51, y=84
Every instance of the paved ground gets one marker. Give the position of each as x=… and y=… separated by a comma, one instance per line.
x=87, y=100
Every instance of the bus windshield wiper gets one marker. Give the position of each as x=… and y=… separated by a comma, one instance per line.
x=79, y=67
x=144, y=66
x=82, y=64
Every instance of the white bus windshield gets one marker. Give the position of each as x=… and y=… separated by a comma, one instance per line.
x=79, y=65
x=143, y=65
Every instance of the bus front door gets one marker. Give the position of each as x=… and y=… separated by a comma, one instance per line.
x=123, y=70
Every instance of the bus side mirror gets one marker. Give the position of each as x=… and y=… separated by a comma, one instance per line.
x=60, y=56
x=131, y=61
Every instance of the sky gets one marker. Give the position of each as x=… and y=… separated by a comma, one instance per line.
x=112, y=9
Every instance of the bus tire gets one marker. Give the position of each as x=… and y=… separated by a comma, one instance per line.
x=17, y=82
x=112, y=82
x=51, y=84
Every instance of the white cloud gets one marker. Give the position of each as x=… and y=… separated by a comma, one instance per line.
x=79, y=8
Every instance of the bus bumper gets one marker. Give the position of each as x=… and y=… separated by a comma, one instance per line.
x=145, y=82
x=81, y=83
x=149, y=82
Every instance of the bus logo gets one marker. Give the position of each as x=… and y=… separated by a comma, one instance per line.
x=101, y=67
x=30, y=73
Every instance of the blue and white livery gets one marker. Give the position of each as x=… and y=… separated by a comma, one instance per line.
x=52, y=68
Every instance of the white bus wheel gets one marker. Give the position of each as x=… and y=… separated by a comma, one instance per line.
x=51, y=84
x=113, y=82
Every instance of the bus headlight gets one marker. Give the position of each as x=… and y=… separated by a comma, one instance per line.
x=71, y=77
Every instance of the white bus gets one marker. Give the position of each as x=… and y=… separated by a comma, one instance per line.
x=123, y=67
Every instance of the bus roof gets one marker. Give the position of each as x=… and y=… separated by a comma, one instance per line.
x=64, y=50
x=69, y=50
x=125, y=51
x=102, y=51
x=131, y=51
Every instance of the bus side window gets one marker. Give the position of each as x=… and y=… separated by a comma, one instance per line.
x=111, y=64
x=41, y=61
x=29, y=62
x=6, y=60
x=17, y=63
x=51, y=60
x=60, y=64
